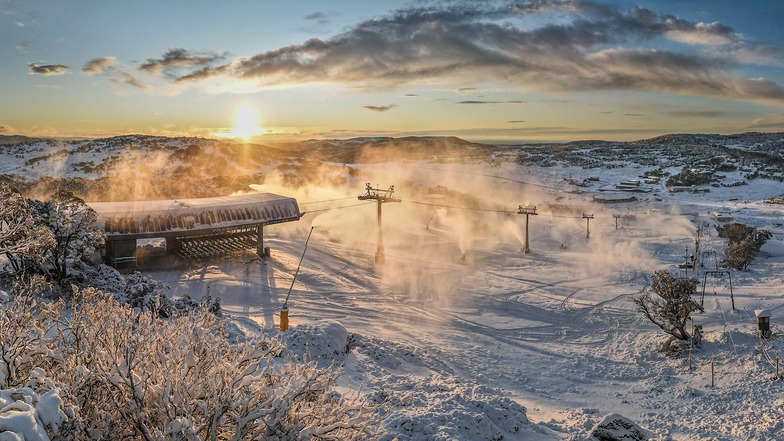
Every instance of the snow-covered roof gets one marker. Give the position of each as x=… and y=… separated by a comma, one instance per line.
x=146, y=218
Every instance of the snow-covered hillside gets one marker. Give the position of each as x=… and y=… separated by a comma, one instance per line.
x=463, y=336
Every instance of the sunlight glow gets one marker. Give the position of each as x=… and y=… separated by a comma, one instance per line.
x=246, y=123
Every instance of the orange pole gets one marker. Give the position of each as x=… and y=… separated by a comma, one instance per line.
x=284, y=319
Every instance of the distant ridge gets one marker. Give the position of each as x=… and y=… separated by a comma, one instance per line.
x=16, y=139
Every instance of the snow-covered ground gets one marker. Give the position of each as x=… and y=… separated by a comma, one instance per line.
x=469, y=338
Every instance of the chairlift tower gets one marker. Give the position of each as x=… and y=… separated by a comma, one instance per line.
x=380, y=196
x=587, y=218
x=527, y=211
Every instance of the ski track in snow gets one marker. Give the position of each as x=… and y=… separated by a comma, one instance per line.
x=555, y=331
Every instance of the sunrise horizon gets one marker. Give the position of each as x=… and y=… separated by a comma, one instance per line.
x=544, y=71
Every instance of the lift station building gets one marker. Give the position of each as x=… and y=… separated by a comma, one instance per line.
x=193, y=227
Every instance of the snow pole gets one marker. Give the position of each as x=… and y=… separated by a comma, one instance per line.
x=284, y=311
x=284, y=318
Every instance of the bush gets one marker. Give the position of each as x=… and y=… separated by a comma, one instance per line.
x=744, y=244
x=123, y=373
x=671, y=305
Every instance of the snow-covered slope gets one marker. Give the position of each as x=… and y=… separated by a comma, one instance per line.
x=466, y=337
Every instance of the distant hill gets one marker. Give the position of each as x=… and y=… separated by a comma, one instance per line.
x=382, y=149
x=15, y=139
x=156, y=167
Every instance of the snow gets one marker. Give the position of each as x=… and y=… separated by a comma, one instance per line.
x=544, y=346
x=538, y=346
x=24, y=414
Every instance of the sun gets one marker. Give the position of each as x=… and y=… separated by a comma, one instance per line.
x=246, y=123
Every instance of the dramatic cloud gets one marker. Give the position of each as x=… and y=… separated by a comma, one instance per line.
x=6, y=130
x=175, y=59
x=48, y=70
x=99, y=66
x=653, y=70
x=380, y=108
x=572, y=46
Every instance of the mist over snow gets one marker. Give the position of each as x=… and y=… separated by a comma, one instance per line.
x=459, y=334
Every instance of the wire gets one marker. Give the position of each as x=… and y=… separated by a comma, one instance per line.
x=461, y=208
x=337, y=208
x=326, y=200
x=488, y=210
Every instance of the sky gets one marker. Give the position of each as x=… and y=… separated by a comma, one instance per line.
x=489, y=71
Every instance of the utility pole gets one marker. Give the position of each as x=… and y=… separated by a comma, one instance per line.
x=380, y=196
x=696, y=262
x=527, y=211
x=616, y=216
x=587, y=218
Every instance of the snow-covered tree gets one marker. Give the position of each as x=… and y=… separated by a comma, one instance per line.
x=72, y=224
x=670, y=305
x=22, y=239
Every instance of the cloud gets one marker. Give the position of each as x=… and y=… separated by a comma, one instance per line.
x=380, y=108
x=122, y=77
x=491, y=102
x=114, y=71
x=203, y=73
x=770, y=122
x=48, y=70
x=708, y=34
x=318, y=17
x=564, y=46
x=98, y=66
x=652, y=70
x=6, y=130
x=175, y=59
x=697, y=113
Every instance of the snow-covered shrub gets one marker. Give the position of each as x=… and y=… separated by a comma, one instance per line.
x=22, y=239
x=147, y=294
x=23, y=329
x=103, y=277
x=744, y=244
x=324, y=344
x=123, y=373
